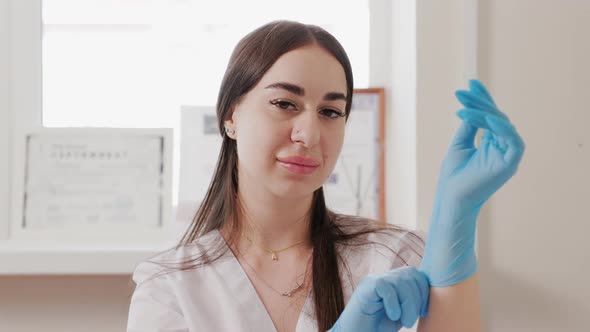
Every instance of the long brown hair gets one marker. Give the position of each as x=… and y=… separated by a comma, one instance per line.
x=250, y=60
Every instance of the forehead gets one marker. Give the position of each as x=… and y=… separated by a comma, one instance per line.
x=311, y=67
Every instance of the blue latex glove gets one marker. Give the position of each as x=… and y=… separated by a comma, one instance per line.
x=386, y=302
x=469, y=175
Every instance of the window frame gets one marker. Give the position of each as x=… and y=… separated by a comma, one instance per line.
x=24, y=105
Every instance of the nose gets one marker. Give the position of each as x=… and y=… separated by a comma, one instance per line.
x=306, y=129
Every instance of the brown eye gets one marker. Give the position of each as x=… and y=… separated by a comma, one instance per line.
x=331, y=113
x=283, y=104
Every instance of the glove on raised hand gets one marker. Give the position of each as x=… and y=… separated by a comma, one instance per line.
x=469, y=175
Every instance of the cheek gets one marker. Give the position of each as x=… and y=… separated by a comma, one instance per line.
x=258, y=142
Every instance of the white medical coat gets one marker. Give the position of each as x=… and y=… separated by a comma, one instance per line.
x=220, y=297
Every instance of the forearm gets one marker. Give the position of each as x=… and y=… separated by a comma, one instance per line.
x=469, y=176
x=454, y=308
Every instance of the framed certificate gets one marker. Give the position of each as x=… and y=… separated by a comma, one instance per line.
x=92, y=183
x=356, y=185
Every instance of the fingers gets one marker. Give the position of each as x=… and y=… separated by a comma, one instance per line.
x=514, y=144
x=366, y=292
x=464, y=137
x=388, y=325
x=423, y=285
x=481, y=112
x=478, y=88
x=410, y=303
x=499, y=131
x=396, y=298
x=472, y=100
x=487, y=135
x=411, y=290
x=476, y=117
x=479, y=98
x=391, y=301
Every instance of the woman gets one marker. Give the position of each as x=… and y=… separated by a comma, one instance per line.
x=264, y=253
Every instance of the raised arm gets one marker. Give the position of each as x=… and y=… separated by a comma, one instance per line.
x=469, y=176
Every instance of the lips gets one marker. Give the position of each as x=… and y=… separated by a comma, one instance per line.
x=299, y=160
x=299, y=164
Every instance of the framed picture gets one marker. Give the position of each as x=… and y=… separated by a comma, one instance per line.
x=356, y=185
x=200, y=143
x=92, y=184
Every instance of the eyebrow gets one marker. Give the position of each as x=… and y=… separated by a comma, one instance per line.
x=330, y=96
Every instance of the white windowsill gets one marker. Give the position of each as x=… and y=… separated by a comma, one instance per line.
x=55, y=259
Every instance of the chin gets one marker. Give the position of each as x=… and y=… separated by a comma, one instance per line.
x=293, y=191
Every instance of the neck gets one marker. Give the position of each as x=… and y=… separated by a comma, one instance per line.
x=273, y=223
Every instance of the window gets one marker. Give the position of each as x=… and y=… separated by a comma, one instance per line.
x=134, y=63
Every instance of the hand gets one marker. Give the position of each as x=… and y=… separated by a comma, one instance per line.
x=468, y=177
x=386, y=302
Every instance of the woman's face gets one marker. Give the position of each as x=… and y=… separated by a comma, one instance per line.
x=296, y=110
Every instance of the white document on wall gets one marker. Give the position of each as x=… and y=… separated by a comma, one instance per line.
x=77, y=180
x=200, y=143
x=353, y=187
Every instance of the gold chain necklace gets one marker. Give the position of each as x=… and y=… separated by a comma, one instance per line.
x=290, y=292
x=273, y=253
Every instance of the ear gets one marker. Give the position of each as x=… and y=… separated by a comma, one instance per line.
x=232, y=120
x=230, y=124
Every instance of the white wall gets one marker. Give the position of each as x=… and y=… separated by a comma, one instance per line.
x=535, y=56
x=532, y=248
x=5, y=118
x=533, y=233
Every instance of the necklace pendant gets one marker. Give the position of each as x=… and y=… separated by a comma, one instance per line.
x=288, y=294
x=274, y=256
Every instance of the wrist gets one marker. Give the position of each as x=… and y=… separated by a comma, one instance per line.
x=449, y=210
x=449, y=256
x=447, y=273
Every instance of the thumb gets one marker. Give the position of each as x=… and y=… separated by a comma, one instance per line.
x=464, y=137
